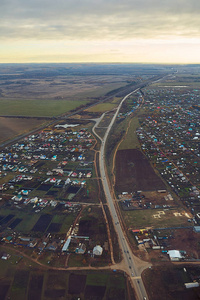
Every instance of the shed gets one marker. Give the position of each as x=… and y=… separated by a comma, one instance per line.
x=190, y=285
x=81, y=249
x=66, y=244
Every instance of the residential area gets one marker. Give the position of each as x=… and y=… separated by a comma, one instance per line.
x=48, y=176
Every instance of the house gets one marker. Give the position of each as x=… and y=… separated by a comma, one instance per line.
x=81, y=249
x=8, y=239
x=89, y=174
x=25, y=192
x=97, y=250
x=17, y=198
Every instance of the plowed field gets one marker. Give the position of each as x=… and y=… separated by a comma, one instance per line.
x=134, y=172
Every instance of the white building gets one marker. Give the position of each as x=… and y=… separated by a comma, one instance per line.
x=174, y=255
x=97, y=250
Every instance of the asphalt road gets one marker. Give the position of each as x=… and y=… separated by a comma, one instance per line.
x=129, y=258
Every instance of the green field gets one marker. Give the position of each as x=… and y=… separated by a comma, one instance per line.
x=38, y=108
x=24, y=282
x=145, y=218
x=102, y=107
x=131, y=141
x=97, y=279
x=29, y=218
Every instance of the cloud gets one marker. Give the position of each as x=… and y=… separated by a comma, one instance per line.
x=98, y=19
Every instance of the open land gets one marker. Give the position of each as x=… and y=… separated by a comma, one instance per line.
x=38, y=108
x=167, y=282
x=134, y=172
x=10, y=127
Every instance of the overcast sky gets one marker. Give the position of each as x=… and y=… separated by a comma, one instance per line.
x=166, y=31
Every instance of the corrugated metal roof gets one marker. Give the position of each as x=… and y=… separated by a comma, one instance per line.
x=66, y=244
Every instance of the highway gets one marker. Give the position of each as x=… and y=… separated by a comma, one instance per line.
x=128, y=256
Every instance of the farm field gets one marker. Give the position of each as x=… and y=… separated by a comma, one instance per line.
x=102, y=107
x=131, y=141
x=11, y=127
x=38, y=107
x=134, y=172
x=48, y=221
x=23, y=282
x=59, y=87
x=180, y=80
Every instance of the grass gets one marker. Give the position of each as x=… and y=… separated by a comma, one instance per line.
x=38, y=107
x=116, y=100
x=131, y=141
x=19, y=286
x=27, y=223
x=144, y=218
x=77, y=261
x=117, y=281
x=97, y=279
x=57, y=280
x=99, y=91
x=6, y=178
x=102, y=107
x=67, y=223
x=21, y=277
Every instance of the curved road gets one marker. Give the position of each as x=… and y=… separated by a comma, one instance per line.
x=129, y=258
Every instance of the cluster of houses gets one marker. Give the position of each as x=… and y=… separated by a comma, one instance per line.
x=170, y=137
x=62, y=146
x=149, y=239
x=28, y=160
x=141, y=200
x=56, y=245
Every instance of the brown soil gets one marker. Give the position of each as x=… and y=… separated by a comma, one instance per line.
x=10, y=127
x=134, y=172
x=167, y=282
x=186, y=240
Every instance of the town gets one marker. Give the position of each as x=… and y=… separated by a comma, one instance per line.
x=55, y=211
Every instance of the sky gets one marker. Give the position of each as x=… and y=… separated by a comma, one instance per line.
x=129, y=31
